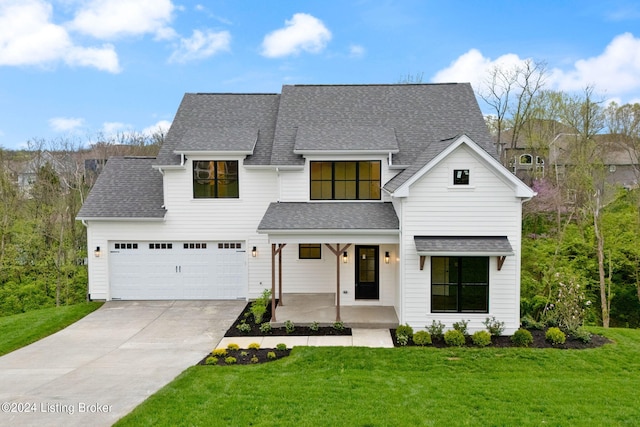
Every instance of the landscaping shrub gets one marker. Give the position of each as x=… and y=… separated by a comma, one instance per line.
x=461, y=326
x=454, y=338
x=569, y=308
x=494, y=326
x=314, y=326
x=481, y=338
x=281, y=346
x=436, y=329
x=422, y=338
x=232, y=346
x=555, y=336
x=243, y=327
x=255, y=359
x=338, y=326
x=254, y=346
x=211, y=360
x=219, y=352
x=403, y=334
x=271, y=355
x=258, y=311
x=289, y=326
x=529, y=322
x=230, y=360
x=265, y=328
x=582, y=334
x=522, y=338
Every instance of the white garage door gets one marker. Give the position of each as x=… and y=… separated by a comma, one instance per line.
x=177, y=270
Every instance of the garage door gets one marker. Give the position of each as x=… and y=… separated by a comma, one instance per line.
x=177, y=270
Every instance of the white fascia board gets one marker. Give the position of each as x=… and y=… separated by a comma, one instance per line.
x=214, y=153
x=276, y=167
x=460, y=253
x=344, y=152
x=167, y=167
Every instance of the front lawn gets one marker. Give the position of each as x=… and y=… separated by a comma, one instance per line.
x=22, y=329
x=323, y=386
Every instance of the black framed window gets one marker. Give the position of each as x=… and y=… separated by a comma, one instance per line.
x=345, y=180
x=459, y=284
x=461, y=177
x=309, y=251
x=215, y=179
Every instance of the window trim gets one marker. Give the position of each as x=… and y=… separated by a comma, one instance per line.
x=459, y=286
x=309, y=246
x=357, y=181
x=216, y=180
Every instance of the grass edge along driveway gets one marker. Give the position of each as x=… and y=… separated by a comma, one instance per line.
x=410, y=386
x=22, y=329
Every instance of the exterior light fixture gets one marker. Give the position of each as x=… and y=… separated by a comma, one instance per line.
x=254, y=252
x=345, y=258
x=96, y=253
x=386, y=257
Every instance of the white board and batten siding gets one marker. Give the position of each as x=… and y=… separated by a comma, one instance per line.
x=435, y=207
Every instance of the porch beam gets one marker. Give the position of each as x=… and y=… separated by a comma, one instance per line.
x=501, y=260
x=423, y=258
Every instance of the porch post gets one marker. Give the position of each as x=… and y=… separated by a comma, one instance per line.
x=338, y=282
x=273, y=282
x=280, y=247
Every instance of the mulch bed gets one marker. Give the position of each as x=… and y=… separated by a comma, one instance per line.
x=539, y=341
x=299, y=331
x=245, y=356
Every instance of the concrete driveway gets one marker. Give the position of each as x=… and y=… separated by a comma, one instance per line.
x=97, y=370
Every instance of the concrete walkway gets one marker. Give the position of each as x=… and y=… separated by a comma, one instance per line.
x=359, y=338
x=100, y=368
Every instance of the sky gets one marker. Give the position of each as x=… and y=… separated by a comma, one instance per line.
x=84, y=70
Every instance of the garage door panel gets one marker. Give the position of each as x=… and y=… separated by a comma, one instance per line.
x=178, y=270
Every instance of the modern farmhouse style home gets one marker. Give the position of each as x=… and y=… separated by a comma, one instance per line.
x=388, y=196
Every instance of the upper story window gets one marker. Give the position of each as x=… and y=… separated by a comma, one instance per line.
x=526, y=159
x=461, y=177
x=345, y=180
x=215, y=179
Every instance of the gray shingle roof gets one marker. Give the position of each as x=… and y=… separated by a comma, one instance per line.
x=442, y=245
x=238, y=139
x=345, y=138
x=223, y=110
x=126, y=188
x=329, y=216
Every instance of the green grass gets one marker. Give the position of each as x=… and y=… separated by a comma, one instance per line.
x=22, y=329
x=410, y=386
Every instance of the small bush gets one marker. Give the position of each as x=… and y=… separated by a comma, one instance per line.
x=232, y=346
x=230, y=360
x=211, y=360
x=555, y=336
x=436, y=329
x=529, y=322
x=289, y=326
x=219, y=352
x=582, y=334
x=244, y=327
x=281, y=346
x=258, y=310
x=522, y=338
x=338, y=326
x=265, y=328
x=461, y=326
x=481, y=338
x=314, y=326
x=422, y=338
x=494, y=327
x=402, y=339
x=254, y=346
x=454, y=338
x=254, y=359
x=403, y=334
x=244, y=353
x=271, y=355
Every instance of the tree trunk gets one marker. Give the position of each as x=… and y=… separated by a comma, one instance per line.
x=604, y=300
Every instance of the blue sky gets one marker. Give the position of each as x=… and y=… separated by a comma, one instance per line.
x=77, y=69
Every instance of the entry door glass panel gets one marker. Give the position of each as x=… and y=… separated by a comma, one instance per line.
x=367, y=286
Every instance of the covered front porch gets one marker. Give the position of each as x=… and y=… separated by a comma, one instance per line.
x=355, y=282
x=304, y=309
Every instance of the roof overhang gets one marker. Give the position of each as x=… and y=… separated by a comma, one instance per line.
x=463, y=246
x=212, y=141
x=120, y=219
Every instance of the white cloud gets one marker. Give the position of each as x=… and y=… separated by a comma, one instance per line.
x=616, y=70
x=356, y=51
x=110, y=19
x=302, y=33
x=113, y=128
x=28, y=37
x=65, y=124
x=161, y=126
x=201, y=45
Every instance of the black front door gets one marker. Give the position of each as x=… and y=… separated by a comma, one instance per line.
x=367, y=286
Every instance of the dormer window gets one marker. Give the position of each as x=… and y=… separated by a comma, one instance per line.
x=214, y=179
x=344, y=180
x=461, y=177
